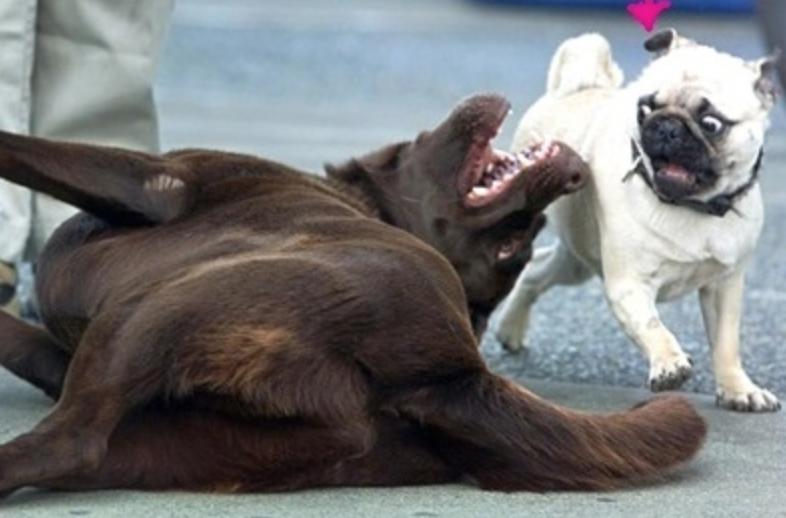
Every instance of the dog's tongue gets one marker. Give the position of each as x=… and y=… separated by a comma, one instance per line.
x=674, y=181
x=676, y=173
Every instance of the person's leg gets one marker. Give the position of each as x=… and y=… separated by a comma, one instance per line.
x=17, y=26
x=96, y=63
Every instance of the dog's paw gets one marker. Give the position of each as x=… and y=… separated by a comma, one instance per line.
x=512, y=337
x=510, y=329
x=755, y=400
x=671, y=374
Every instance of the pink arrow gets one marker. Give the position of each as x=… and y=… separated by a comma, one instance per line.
x=646, y=12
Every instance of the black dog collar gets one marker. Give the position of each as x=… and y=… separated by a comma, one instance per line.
x=716, y=206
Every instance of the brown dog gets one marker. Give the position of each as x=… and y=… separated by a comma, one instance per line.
x=224, y=323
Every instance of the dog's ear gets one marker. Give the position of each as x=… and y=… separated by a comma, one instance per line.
x=373, y=164
x=663, y=42
x=765, y=86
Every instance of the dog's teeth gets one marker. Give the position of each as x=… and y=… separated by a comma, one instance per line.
x=480, y=191
x=524, y=159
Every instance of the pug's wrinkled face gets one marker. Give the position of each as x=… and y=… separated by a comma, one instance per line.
x=701, y=119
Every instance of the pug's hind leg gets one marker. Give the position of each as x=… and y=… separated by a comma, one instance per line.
x=721, y=306
x=550, y=266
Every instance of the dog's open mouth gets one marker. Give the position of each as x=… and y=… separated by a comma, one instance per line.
x=494, y=171
x=675, y=182
x=675, y=177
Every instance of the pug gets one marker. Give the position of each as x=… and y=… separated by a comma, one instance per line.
x=673, y=205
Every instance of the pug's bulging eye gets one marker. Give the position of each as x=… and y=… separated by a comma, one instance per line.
x=711, y=125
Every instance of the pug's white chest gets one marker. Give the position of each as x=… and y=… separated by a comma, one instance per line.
x=673, y=280
x=695, y=248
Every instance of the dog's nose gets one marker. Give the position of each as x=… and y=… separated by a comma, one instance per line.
x=664, y=135
x=669, y=130
x=576, y=173
x=575, y=181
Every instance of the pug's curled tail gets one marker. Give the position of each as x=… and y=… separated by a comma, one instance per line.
x=583, y=62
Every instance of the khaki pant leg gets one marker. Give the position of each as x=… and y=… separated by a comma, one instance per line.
x=17, y=38
x=96, y=62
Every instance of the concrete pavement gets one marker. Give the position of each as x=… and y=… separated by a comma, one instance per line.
x=306, y=82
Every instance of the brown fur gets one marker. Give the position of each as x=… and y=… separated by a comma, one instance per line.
x=220, y=322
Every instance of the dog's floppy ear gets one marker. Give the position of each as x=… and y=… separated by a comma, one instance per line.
x=377, y=162
x=663, y=42
x=765, y=86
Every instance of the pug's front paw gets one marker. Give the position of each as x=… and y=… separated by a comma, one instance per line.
x=670, y=374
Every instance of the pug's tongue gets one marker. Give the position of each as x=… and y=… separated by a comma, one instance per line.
x=676, y=173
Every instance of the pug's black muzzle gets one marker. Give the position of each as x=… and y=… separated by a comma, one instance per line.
x=681, y=162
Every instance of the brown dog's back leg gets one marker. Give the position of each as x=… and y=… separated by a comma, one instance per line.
x=120, y=186
x=109, y=374
x=402, y=455
x=198, y=449
x=32, y=354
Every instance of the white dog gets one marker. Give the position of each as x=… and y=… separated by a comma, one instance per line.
x=673, y=204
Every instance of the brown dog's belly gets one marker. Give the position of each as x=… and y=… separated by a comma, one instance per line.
x=233, y=304
x=258, y=334
x=90, y=266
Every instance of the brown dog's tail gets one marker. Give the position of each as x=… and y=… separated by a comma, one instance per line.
x=509, y=439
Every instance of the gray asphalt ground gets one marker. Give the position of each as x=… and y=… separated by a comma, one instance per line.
x=308, y=82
